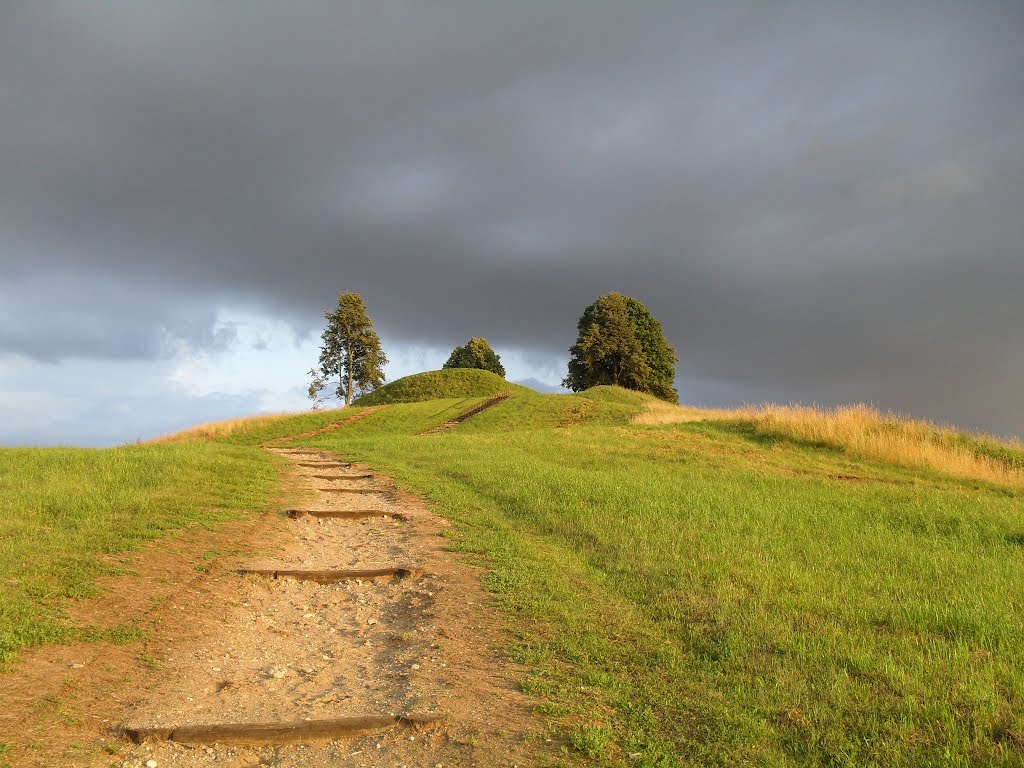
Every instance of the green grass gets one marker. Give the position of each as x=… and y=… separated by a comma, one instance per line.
x=64, y=509
x=443, y=384
x=695, y=594
x=700, y=595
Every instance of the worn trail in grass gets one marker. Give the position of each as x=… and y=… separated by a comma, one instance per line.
x=67, y=514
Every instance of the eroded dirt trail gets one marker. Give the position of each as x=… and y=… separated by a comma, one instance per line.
x=295, y=651
x=253, y=649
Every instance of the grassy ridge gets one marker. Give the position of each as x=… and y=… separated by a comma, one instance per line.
x=701, y=594
x=64, y=508
x=254, y=430
x=443, y=384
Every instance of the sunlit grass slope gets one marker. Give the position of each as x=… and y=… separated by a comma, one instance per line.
x=252, y=430
x=63, y=509
x=684, y=587
x=437, y=385
x=865, y=432
x=713, y=592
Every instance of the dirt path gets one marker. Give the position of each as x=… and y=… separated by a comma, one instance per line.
x=452, y=423
x=412, y=651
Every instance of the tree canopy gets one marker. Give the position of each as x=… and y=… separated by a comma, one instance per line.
x=350, y=350
x=477, y=353
x=621, y=343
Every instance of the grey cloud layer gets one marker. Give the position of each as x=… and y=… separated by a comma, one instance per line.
x=818, y=202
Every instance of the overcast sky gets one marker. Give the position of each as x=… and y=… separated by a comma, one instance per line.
x=821, y=202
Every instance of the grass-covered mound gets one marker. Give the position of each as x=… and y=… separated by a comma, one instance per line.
x=791, y=587
x=701, y=593
x=605, y=393
x=440, y=385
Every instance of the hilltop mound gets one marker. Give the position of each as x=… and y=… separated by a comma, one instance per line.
x=606, y=393
x=436, y=385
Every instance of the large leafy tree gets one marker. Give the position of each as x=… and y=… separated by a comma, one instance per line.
x=350, y=352
x=659, y=355
x=476, y=354
x=621, y=343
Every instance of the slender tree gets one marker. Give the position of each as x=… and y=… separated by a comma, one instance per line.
x=621, y=343
x=476, y=354
x=350, y=351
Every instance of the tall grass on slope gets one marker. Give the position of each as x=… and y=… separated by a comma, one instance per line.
x=867, y=433
x=254, y=430
x=662, y=412
x=218, y=430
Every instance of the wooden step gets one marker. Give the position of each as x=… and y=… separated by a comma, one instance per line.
x=300, y=732
x=343, y=514
x=350, y=490
x=331, y=576
x=367, y=476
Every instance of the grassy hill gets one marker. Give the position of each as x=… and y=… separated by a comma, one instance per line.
x=438, y=385
x=758, y=587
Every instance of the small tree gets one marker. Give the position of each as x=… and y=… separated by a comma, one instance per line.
x=621, y=343
x=350, y=351
x=476, y=354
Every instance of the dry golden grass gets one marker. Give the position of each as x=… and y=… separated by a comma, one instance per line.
x=660, y=412
x=867, y=433
x=215, y=429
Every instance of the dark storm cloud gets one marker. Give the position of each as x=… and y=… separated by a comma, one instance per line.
x=819, y=202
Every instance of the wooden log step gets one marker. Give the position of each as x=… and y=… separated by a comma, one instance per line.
x=300, y=732
x=332, y=576
x=325, y=464
x=351, y=491
x=343, y=514
x=367, y=476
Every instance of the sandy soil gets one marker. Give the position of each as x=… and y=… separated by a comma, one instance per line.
x=226, y=647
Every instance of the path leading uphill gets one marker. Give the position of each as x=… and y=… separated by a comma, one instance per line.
x=341, y=633
x=452, y=423
x=356, y=640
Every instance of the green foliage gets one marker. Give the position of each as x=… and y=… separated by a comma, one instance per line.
x=435, y=385
x=659, y=356
x=476, y=354
x=620, y=343
x=590, y=740
x=350, y=351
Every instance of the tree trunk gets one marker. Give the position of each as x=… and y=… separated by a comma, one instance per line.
x=348, y=389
